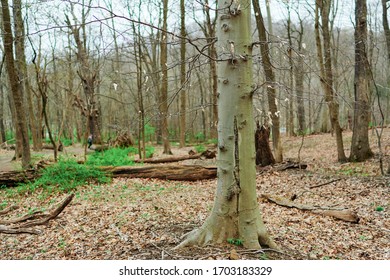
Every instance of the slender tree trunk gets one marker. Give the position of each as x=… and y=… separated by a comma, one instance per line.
x=291, y=127
x=270, y=78
x=18, y=137
x=42, y=85
x=235, y=213
x=325, y=62
x=21, y=65
x=2, y=127
x=299, y=89
x=141, y=120
x=164, y=82
x=386, y=28
x=2, y=102
x=360, y=147
x=21, y=120
x=71, y=120
x=183, y=93
x=299, y=81
x=213, y=70
x=202, y=103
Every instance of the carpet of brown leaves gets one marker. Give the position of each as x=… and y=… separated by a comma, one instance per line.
x=146, y=218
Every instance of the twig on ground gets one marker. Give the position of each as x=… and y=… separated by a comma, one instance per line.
x=163, y=251
x=324, y=184
x=262, y=251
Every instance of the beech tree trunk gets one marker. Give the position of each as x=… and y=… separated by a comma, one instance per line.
x=236, y=212
x=17, y=94
x=360, y=147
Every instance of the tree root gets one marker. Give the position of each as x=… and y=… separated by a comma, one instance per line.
x=219, y=230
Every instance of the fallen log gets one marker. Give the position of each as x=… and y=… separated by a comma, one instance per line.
x=192, y=155
x=13, y=178
x=167, y=159
x=165, y=172
x=60, y=147
x=100, y=148
x=341, y=214
x=291, y=165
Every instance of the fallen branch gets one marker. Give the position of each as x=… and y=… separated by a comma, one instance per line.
x=37, y=214
x=8, y=209
x=34, y=219
x=341, y=214
x=4, y=229
x=324, y=184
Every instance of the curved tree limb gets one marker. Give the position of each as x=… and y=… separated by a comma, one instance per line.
x=34, y=219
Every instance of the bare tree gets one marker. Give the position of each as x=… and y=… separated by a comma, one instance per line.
x=42, y=90
x=87, y=73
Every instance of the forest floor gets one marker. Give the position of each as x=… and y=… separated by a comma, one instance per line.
x=146, y=218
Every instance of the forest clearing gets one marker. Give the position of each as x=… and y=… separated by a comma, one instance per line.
x=146, y=218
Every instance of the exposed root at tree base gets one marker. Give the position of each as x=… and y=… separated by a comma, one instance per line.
x=205, y=236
